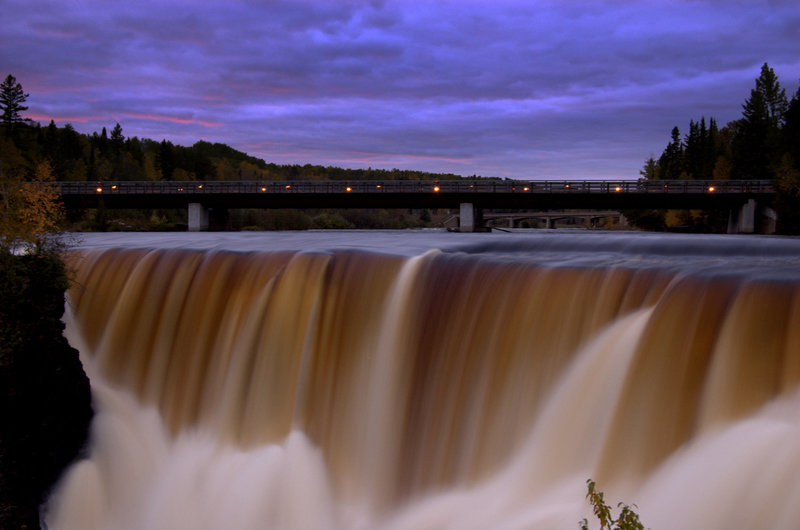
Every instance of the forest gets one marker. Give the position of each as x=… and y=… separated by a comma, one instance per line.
x=763, y=144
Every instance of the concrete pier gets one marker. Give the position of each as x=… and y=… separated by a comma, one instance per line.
x=198, y=217
x=470, y=218
x=743, y=219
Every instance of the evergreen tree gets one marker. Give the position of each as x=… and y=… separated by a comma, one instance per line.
x=671, y=160
x=11, y=99
x=695, y=149
x=787, y=183
x=165, y=160
x=791, y=129
x=651, y=170
x=756, y=146
x=774, y=96
x=117, y=138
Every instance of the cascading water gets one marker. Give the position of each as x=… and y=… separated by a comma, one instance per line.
x=351, y=389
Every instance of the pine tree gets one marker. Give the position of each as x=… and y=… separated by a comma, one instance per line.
x=11, y=99
x=117, y=138
x=756, y=146
x=791, y=129
x=774, y=96
x=671, y=160
x=787, y=183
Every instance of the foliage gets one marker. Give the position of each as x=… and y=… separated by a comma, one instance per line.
x=787, y=205
x=41, y=209
x=332, y=221
x=30, y=211
x=627, y=519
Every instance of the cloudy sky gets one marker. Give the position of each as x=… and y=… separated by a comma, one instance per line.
x=514, y=88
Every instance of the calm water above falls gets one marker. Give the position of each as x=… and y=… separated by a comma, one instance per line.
x=716, y=253
x=434, y=380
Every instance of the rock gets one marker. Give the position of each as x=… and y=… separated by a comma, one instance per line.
x=45, y=400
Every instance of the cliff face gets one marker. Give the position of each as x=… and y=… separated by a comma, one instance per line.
x=45, y=402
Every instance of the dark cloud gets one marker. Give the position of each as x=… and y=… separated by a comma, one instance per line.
x=511, y=88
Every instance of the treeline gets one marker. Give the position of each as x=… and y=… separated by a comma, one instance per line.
x=763, y=144
x=111, y=156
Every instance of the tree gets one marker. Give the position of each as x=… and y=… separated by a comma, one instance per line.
x=30, y=210
x=774, y=96
x=651, y=170
x=41, y=209
x=11, y=99
x=756, y=146
x=117, y=138
x=791, y=129
x=671, y=161
x=165, y=160
x=787, y=183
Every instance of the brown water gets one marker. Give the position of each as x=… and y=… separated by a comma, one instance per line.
x=348, y=389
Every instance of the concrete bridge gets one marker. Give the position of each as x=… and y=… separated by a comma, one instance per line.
x=589, y=218
x=471, y=196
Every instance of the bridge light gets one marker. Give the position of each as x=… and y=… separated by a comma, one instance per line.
x=264, y=188
x=526, y=188
x=99, y=190
x=288, y=187
x=378, y=186
x=200, y=187
x=436, y=189
x=566, y=186
x=114, y=187
x=711, y=189
x=348, y=189
x=618, y=188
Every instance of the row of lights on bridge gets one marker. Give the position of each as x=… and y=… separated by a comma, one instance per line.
x=436, y=189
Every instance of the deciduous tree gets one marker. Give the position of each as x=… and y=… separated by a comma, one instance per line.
x=41, y=209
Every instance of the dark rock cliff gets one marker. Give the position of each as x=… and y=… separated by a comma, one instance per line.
x=45, y=402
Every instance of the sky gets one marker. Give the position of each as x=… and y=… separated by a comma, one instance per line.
x=509, y=88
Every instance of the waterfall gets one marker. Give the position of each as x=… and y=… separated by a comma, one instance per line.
x=351, y=389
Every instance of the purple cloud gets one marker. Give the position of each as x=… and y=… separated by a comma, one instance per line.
x=509, y=88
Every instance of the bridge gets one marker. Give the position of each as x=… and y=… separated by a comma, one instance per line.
x=589, y=218
x=470, y=196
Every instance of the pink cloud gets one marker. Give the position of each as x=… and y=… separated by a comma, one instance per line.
x=44, y=118
x=172, y=119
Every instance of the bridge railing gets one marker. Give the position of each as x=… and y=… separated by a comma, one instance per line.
x=415, y=186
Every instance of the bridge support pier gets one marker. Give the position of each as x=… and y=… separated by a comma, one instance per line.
x=198, y=217
x=743, y=220
x=470, y=218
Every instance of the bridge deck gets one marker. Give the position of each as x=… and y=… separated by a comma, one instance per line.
x=621, y=194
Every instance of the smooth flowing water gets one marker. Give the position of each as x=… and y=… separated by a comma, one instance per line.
x=407, y=380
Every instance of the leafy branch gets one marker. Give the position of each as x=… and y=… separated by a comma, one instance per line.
x=627, y=520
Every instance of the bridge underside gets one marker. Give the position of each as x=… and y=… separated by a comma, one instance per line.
x=203, y=207
x=627, y=201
